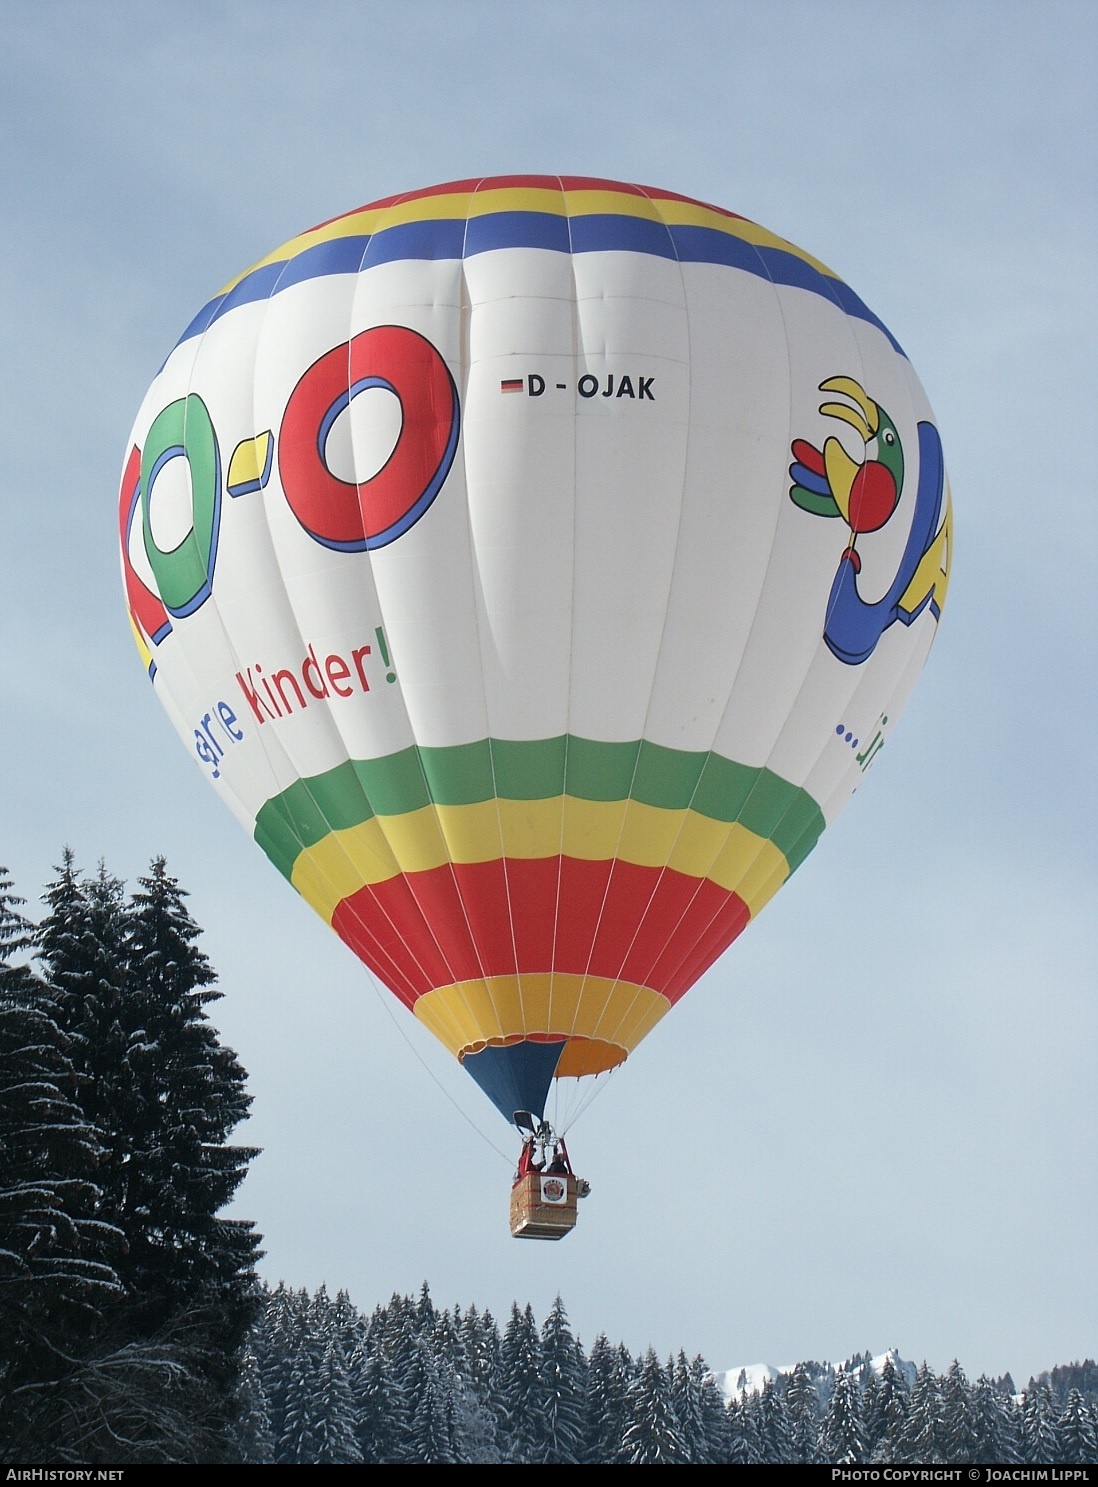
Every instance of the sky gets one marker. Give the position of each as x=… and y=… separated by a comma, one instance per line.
x=872, y=1123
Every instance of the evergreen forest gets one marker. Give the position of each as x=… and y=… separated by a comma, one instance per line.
x=411, y=1383
x=134, y=1327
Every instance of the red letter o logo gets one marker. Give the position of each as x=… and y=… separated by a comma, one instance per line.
x=339, y=513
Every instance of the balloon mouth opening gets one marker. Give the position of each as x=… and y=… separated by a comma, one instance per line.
x=579, y=1056
x=517, y=1072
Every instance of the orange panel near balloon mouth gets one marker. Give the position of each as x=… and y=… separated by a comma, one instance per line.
x=581, y=1056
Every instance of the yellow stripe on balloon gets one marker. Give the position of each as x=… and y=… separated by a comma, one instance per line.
x=364, y=223
x=470, y=1015
x=755, y=880
x=342, y=863
x=450, y=205
x=694, y=214
x=736, y=859
x=517, y=199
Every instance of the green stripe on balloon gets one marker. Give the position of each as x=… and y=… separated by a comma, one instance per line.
x=541, y=769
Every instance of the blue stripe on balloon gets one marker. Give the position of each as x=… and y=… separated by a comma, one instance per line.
x=339, y=256
x=603, y=233
x=454, y=238
x=705, y=245
x=261, y=283
x=440, y=239
x=546, y=230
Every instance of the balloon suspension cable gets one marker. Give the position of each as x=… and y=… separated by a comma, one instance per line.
x=580, y=1105
x=386, y=1003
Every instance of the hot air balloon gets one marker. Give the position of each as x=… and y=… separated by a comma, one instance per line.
x=535, y=565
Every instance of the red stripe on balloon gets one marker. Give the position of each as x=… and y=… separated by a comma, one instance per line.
x=527, y=183
x=652, y=926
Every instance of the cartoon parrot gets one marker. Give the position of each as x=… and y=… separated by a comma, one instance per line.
x=828, y=482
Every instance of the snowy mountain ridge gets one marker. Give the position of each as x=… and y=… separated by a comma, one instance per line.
x=751, y=1378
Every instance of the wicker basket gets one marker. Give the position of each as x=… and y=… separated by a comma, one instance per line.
x=543, y=1206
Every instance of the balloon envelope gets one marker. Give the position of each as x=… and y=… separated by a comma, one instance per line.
x=535, y=566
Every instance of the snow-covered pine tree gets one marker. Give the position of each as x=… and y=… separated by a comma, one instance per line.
x=871, y=1395
x=191, y=1095
x=56, y=1275
x=127, y=987
x=653, y=1436
x=379, y=1407
x=842, y=1437
x=446, y=1339
x=802, y=1407
x=470, y=1429
x=744, y=1445
x=960, y=1443
x=608, y=1374
x=428, y=1387
x=480, y=1345
x=275, y=1339
x=686, y=1402
x=252, y=1438
x=321, y=1415
x=335, y=1433
x=994, y=1425
x=426, y=1314
x=17, y=939
x=564, y=1392
x=920, y=1436
x=82, y=947
x=474, y=1425
x=699, y=1406
x=448, y=1348
x=300, y=1369
x=885, y=1416
x=775, y=1428
x=1040, y=1437
x=713, y=1446
x=520, y=1435
x=1078, y=1432
x=349, y=1324
x=395, y=1337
